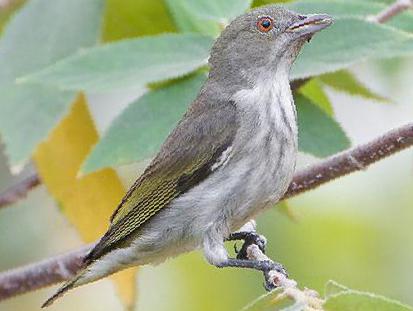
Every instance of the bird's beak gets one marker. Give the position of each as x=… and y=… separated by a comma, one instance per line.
x=310, y=24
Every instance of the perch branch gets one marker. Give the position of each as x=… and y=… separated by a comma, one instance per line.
x=61, y=268
x=18, y=191
x=41, y=274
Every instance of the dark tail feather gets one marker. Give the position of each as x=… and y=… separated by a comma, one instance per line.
x=62, y=290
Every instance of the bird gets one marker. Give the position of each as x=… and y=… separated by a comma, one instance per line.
x=230, y=157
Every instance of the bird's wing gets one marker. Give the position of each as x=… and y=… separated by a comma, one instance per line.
x=185, y=159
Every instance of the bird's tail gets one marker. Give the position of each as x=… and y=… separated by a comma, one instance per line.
x=75, y=282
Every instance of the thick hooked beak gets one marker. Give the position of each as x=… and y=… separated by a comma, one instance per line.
x=310, y=24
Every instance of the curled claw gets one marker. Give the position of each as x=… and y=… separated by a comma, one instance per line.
x=236, y=250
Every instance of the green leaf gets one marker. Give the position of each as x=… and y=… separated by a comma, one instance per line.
x=358, y=301
x=344, y=81
x=186, y=21
x=319, y=134
x=313, y=91
x=128, y=63
x=134, y=18
x=40, y=33
x=218, y=10
x=353, y=8
x=139, y=131
x=348, y=41
x=273, y=301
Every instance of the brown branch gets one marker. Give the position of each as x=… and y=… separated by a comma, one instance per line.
x=353, y=160
x=60, y=268
x=41, y=274
x=396, y=8
x=19, y=191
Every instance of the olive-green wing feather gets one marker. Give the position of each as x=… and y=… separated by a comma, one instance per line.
x=185, y=159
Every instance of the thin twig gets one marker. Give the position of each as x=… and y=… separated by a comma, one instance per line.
x=394, y=9
x=19, y=191
x=60, y=268
x=307, y=299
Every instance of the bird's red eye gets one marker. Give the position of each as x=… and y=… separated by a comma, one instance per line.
x=265, y=24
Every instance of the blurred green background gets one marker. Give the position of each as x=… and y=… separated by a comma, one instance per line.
x=355, y=230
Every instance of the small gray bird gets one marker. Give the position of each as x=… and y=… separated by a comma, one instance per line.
x=232, y=155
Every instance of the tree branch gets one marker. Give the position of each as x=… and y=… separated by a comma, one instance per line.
x=41, y=274
x=396, y=8
x=353, y=160
x=61, y=268
x=19, y=191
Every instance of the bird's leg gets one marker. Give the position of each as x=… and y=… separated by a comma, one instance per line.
x=265, y=266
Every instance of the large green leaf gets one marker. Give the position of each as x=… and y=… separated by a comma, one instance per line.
x=128, y=63
x=348, y=41
x=40, y=33
x=319, y=133
x=313, y=90
x=186, y=21
x=140, y=130
x=141, y=61
x=218, y=10
x=344, y=81
x=352, y=8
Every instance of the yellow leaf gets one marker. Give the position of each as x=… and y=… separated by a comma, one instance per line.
x=88, y=201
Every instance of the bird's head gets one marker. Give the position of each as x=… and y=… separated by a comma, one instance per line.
x=264, y=40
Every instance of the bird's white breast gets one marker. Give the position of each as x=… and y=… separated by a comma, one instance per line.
x=254, y=171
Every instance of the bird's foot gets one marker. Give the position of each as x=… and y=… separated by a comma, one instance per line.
x=267, y=267
x=249, y=238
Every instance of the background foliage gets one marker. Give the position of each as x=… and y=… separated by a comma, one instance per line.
x=130, y=68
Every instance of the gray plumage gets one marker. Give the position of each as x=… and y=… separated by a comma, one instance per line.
x=241, y=130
